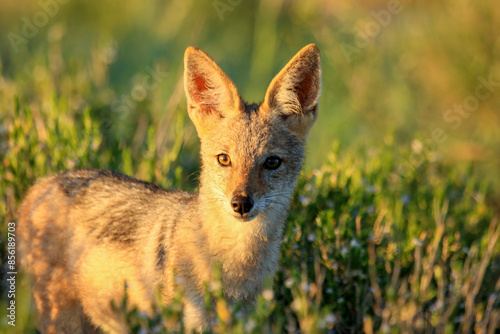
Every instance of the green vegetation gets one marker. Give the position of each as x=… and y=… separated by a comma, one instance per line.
x=394, y=228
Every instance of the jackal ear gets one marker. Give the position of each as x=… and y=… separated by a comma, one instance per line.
x=210, y=94
x=294, y=92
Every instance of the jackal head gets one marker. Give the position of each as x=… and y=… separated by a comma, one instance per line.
x=251, y=154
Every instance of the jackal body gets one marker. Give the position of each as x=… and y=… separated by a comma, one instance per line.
x=84, y=233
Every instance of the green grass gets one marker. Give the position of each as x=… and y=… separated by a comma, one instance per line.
x=390, y=230
x=373, y=243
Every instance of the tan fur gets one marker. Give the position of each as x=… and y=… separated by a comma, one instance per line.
x=84, y=233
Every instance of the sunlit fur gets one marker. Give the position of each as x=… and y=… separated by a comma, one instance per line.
x=84, y=233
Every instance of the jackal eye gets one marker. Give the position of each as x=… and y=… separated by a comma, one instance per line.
x=224, y=160
x=272, y=163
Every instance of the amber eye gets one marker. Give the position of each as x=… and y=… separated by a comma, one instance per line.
x=224, y=160
x=272, y=163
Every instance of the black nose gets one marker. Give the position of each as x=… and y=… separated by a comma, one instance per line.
x=242, y=204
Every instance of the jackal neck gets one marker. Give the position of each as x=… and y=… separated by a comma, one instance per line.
x=248, y=251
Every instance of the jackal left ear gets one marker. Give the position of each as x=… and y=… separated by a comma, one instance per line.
x=294, y=92
x=211, y=95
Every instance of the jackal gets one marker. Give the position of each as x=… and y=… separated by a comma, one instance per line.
x=83, y=233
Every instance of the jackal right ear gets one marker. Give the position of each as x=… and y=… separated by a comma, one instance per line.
x=294, y=93
x=210, y=94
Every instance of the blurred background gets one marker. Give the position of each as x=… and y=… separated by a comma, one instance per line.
x=393, y=70
x=99, y=84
